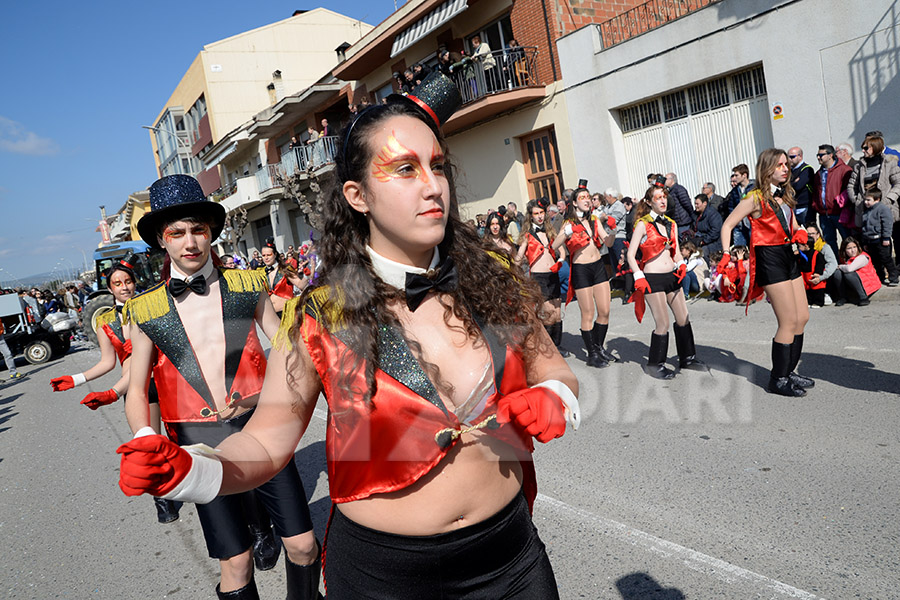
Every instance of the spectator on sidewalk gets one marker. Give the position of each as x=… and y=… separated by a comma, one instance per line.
x=855, y=276
x=803, y=178
x=740, y=185
x=715, y=200
x=613, y=207
x=878, y=223
x=817, y=243
x=680, y=208
x=876, y=170
x=708, y=226
x=831, y=194
x=845, y=153
x=7, y=356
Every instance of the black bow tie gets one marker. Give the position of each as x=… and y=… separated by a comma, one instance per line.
x=178, y=287
x=778, y=193
x=418, y=286
x=540, y=229
x=661, y=220
x=269, y=269
x=118, y=309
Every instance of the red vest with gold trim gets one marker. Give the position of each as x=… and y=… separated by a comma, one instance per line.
x=655, y=242
x=120, y=345
x=766, y=230
x=535, y=249
x=580, y=237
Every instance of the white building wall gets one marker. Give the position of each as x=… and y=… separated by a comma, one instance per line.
x=831, y=64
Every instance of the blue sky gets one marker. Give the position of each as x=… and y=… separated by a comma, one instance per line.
x=79, y=79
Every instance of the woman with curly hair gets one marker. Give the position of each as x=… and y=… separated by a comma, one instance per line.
x=773, y=267
x=543, y=265
x=584, y=236
x=657, y=276
x=282, y=277
x=436, y=383
x=495, y=232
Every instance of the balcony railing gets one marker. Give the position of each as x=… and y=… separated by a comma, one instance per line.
x=499, y=71
x=267, y=177
x=310, y=157
x=645, y=17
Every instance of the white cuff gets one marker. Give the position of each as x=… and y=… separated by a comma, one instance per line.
x=203, y=481
x=144, y=431
x=79, y=379
x=568, y=229
x=570, y=402
x=679, y=263
x=638, y=275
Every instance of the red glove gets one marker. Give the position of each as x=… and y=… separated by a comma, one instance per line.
x=681, y=271
x=95, y=400
x=152, y=465
x=611, y=222
x=800, y=237
x=61, y=384
x=555, y=267
x=307, y=272
x=641, y=285
x=723, y=264
x=536, y=410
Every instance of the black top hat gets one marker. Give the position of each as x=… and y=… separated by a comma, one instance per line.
x=582, y=184
x=437, y=96
x=174, y=197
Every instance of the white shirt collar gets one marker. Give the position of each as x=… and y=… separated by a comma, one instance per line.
x=206, y=270
x=119, y=303
x=394, y=273
x=654, y=215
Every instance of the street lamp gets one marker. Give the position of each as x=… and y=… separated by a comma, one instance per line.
x=180, y=144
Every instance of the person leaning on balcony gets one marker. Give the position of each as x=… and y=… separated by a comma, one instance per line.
x=482, y=54
x=294, y=142
x=514, y=55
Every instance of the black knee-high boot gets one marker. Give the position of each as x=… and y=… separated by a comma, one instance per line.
x=796, y=351
x=556, y=331
x=779, y=382
x=593, y=359
x=687, y=352
x=656, y=357
x=598, y=336
x=166, y=510
x=266, y=548
x=303, y=580
x=248, y=592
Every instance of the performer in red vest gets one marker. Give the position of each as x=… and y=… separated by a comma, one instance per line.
x=114, y=339
x=584, y=236
x=543, y=265
x=773, y=266
x=281, y=277
x=197, y=332
x=657, y=276
x=436, y=383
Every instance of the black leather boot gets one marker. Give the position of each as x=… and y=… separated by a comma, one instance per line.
x=796, y=351
x=687, y=353
x=598, y=335
x=593, y=359
x=266, y=548
x=166, y=510
x=779, y=382
x=248, y=592
x=303, y=580
x=556, y=331
x=656, y=357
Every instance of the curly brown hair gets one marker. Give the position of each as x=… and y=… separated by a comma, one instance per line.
x=359, y=302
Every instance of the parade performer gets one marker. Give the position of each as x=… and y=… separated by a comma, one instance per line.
x=495, y=232
x=657, y=281
x=281, y=277
x=436, y=383
x=535, y=247
x=206, y=395
x=116, y=344
x=584, y=236
x=773, y=266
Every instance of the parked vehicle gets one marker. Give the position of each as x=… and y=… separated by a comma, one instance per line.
x=147, y=264
x=39, y=343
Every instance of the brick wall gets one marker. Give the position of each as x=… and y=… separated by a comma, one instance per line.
x=575, y=14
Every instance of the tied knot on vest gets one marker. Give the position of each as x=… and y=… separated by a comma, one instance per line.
x=177, y=287
x=418, y=286
x=445, y=437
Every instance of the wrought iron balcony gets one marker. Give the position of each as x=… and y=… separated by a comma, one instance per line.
x=647, y=16
x=497, y=72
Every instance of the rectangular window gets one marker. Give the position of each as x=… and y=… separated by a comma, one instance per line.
x=674, y=106
x=749, y=84
x=542, y=172
x=383, y=92
x=718, y=92
x=699, y=99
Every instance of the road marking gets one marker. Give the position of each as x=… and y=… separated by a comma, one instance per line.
x=692, y=559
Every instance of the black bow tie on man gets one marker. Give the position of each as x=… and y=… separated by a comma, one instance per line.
x=269, y=268
x=539, y=229
x=177, y=287
x=418, y=286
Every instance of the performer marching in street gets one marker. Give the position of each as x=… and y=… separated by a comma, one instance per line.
x=535, y=247
x=436, y=383
x=773, y=266
x=116, y=343
x=583, y=237
x=657, y=279
x=281, y=278
x=206, y=395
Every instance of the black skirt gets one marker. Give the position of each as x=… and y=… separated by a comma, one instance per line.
x=588, y=275
x=549, y=284
x=662, y=282
x=775, y=264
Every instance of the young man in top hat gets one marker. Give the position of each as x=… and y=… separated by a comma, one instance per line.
x=206, y=395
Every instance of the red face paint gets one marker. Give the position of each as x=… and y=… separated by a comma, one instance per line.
x=396, y=161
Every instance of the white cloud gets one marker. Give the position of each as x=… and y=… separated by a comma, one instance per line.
x=18, y=140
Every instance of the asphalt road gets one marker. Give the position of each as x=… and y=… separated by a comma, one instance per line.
x=702, y=487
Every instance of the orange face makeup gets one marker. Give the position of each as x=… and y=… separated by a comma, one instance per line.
x=173, y=233
x=396, y=161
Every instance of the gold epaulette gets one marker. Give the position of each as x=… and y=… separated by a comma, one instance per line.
x=251, y=280
x=102, y=317
x=649, y=218
x=500, y=258
x=282, y=339
x=324, y=304
x=147, y=306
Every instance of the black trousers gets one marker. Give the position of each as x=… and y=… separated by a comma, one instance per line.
x=500, y=558
x=849, y=285
x=882, y=259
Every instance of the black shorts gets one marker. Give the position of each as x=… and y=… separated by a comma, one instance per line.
x=152, y=394
x=662, y=282
x=224, y=523
x=549, y=284
x=588, y=275
x=775, y=264
x=501, y=557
